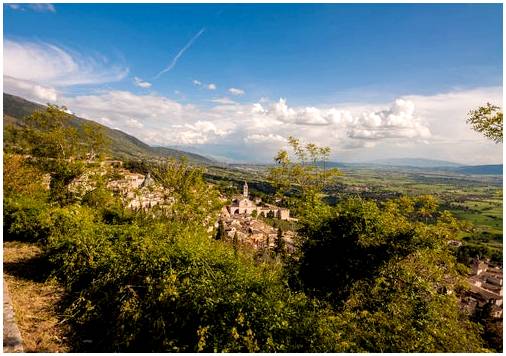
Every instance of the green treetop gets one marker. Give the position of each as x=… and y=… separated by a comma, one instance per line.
x=488, y=121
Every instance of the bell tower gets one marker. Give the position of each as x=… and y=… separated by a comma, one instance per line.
x=245, y=189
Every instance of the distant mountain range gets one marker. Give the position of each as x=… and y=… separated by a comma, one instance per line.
x=123, y=145
x=489, y=169
x=433, y=164
x=416, y=162
x=421, y=164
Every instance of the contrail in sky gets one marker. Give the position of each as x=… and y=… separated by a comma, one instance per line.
x=180, y=53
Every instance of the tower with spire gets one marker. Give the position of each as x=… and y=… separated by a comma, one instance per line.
x=245, y=190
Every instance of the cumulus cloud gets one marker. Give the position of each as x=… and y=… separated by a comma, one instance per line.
x=398, y=121
x=152, y=118
x=46, y=63
x=269, y=123
x=198, y=133
x=410, y=126
x=236, y=91
x=141, y=83
x=198, y=83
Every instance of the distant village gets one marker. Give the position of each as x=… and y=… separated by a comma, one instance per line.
x=242, y=218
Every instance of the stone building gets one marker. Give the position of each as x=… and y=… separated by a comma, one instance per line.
x=243, y=205
x=485, y=287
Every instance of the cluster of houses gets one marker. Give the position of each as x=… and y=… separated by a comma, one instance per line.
x=240, y=219
x=485, y=287
x=254, y=232
x=139, y=192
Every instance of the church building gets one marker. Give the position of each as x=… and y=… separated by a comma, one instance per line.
x=243, y=205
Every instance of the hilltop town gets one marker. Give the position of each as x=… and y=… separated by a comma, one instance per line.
x=242, y=217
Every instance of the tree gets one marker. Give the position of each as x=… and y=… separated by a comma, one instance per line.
x=426, y=206
x=52, y=135
x=492, y=326
x=189, y=197
x=21, y=177
x=97, y=143
x=279, y=245
x=391, y=278
x=54, y=143
x=221, y=234
x=305, y=176
x=488, y=121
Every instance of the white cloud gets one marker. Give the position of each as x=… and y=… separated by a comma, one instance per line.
x=121, y=106
x=41, y=62
x=164, y=121
x=269, y=138
x=33, y=7
x=135, y=124
x=411, y=126
x=398, y=121
x=198, y=133
x=223, y=101
x=236, y=91
x=198, y=83
x=42, y=7
x=141, y=83
x=30, y=90
x=167, y=122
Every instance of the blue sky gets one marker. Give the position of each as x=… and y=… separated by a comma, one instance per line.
x=358, y=60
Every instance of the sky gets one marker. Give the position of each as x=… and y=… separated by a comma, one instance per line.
x=371, y=81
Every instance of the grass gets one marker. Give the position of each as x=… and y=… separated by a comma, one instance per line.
x=35, y=299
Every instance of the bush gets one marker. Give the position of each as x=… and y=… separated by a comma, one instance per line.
x=391, y=279
x=22, y=219
x=168, y=287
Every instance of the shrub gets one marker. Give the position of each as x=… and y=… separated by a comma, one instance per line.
x=22, y=219
x=392, y=280
x=168, y=287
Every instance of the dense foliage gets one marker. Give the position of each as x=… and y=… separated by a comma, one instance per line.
x=392, y=279
x=366, y=277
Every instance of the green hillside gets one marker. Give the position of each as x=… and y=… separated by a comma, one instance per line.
x=123, y=146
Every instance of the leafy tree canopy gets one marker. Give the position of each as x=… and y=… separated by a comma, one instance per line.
x=488, y=121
